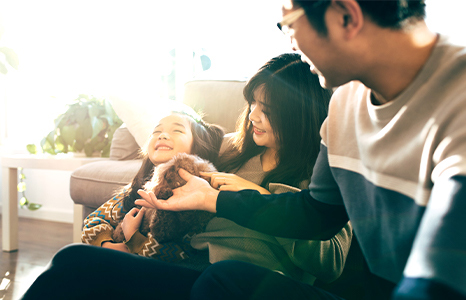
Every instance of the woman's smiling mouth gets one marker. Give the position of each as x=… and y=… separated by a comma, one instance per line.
x=258, y=131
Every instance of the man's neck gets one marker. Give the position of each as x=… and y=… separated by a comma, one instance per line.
x=396, y=59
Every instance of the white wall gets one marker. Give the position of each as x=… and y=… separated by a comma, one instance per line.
x=52, y=190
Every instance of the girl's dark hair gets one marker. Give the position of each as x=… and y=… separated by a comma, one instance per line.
x=385, y=13
x=296, y=106
x=207, y=139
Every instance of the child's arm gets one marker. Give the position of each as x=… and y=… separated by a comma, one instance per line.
x=168, y=251
x=99, y=225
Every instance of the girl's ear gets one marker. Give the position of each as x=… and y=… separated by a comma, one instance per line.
x=349, y=17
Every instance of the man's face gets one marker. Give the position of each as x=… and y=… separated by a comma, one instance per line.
x=316, y=50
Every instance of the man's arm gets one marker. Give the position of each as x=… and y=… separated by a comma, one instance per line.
x=290, y=215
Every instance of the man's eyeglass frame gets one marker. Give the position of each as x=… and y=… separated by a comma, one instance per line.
x=284, y=25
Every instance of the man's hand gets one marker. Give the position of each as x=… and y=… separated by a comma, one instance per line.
x=196, y=194
x=132, y=221
x=231, y=182
x=116, y=246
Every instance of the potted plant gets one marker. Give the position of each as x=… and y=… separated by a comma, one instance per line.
x=87, y=126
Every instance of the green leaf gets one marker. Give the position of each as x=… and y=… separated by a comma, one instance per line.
x=97, y=126
x=89, y=150
x=106, y=151
x=81, y=114
x=94, y=111
x=59, y=121
x=78, y=146
x=50, y=151
x=51, y=139
x=11, y=57
x=109, y=119
x=22, y=176
x=21, y=187
x=34, y=206
x=31, y=148
x=23, y=201
x=87, y=130
x=59, y=144
x=68, y=133
x=99, y=146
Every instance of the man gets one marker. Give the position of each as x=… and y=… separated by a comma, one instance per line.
x=393, y=156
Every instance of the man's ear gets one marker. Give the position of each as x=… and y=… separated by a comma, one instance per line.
x=351, y=18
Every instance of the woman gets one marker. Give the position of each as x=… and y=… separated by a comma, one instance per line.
x=271, y=154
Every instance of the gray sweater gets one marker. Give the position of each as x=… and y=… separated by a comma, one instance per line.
x=303, y=260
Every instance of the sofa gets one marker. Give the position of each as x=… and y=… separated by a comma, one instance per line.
x=219, y=101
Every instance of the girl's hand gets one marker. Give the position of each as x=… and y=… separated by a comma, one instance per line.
x=116, y=246
x=132, y=221
x=232, y=182
x=196, y=194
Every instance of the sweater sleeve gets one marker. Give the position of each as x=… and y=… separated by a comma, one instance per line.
x=150, y=247
x=99, y=225
x=323, y=259
x=288, y=215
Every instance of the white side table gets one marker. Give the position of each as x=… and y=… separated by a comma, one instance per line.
x=10, y=165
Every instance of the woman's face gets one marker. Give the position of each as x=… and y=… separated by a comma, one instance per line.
x=171, y=136
x=263, y=134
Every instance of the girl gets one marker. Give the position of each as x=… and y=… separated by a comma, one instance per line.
x=274, y=151
x=176, y=133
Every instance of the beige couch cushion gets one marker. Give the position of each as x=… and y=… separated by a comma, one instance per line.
x=94, y=184
x=124, y=146
x=219, y=101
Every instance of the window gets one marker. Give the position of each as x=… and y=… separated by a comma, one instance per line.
x=67, y=48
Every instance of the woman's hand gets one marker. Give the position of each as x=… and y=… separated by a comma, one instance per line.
x=232, y=182
x=132, y=221
x=116, y=246
x=196, y=194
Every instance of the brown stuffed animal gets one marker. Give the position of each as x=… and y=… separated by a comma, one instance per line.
x=171, y=225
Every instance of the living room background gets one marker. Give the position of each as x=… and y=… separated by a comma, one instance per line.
x=67, y=48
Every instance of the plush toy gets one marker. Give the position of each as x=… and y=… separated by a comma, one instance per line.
x=172, y=225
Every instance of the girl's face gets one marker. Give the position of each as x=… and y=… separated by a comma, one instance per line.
x=263, y=134
x=171, y=136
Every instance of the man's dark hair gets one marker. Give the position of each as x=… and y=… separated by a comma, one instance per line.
x=392, y=14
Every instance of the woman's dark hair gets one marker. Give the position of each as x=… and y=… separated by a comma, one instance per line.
x=296, y=106
x=385, y=13
x=207, y=139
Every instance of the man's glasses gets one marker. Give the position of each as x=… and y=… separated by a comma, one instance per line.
x=289, y=19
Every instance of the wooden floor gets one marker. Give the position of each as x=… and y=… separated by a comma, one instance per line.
x=38, y=241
